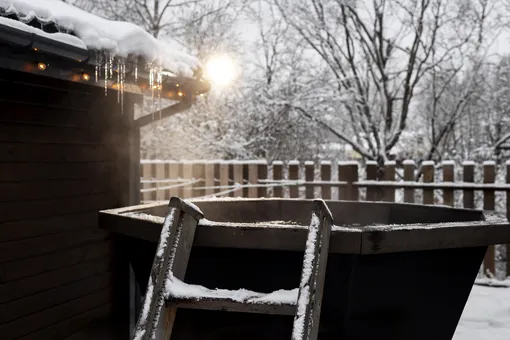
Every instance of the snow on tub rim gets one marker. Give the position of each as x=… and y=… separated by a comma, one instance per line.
x=281, y=224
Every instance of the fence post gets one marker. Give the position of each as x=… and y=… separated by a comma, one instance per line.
x=489, y=176
x=253, y=174
x=507, y=166
x=448, y=176
x=371, y=175
x=326, y=176
x=348, y=172
x=224, y=177
x=409, y=168
x=310, y=177
x=428, y=177
x=209, y=178
x=389, y=175
x=262, y=169
x=187, y=175
x=237, y=176
x=294, y=176
x=468, y=176
x=277, y=176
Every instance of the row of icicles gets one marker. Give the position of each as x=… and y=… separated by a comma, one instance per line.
x=105, y=67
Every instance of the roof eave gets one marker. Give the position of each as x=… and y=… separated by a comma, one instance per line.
x=72, y=60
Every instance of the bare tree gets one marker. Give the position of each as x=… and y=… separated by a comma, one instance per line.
x=380, y=52
x=454, y=88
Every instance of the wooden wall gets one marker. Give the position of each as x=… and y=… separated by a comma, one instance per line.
x=62, y=148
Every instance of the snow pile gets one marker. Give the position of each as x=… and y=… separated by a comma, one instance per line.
x=192, y=206
x=486, y=315
x=121, y=39
x=144, y=216
x=175, y=288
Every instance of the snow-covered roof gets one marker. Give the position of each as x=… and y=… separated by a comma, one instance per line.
x=88, y=31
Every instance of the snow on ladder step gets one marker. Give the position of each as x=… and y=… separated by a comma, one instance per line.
x=183, y=295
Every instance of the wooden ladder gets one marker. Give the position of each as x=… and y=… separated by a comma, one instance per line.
x=157, y=317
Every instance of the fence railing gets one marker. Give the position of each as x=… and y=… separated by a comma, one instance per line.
x=469, y=185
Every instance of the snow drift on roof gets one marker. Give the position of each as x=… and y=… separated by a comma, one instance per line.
x=119, y=38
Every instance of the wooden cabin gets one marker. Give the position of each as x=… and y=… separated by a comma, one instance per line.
x=69, y=147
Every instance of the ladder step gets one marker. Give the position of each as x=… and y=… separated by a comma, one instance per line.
x=222, y=304
x=183, y=295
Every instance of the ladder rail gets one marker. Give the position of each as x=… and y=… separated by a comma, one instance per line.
x=171, y=258
x=306, y=319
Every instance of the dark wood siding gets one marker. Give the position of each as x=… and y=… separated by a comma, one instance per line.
x=62, y=146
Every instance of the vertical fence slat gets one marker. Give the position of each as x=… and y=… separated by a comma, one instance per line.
x=246, y=178
x=294, y=176
x=428, y=177
x=489, y=176
x=309, y=177
x=468, y=176
x=448, y=176
x=371, y=175
x=507, y=169
x=237, y=176
x=224, y=177
x=262, y=169
x=209, y=178
x=216, y=176
x=348, y=172
x=187, y=174
x=160, y=175
x=389, y=175
x=409, y=168
x=326, y=176
x=277, y=176
x=198, y=174
x=253, y=174
x=147, y=176
x=174, y=173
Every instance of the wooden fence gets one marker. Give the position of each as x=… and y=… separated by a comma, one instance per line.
x=468, y=185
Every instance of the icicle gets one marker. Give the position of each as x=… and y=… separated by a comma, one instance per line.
x=122, y=77
x=136, y=69
x=160, y=86
x=106, y=67
x=111, y=65
x=98, y=63
x=151, y=85
x=118, y=80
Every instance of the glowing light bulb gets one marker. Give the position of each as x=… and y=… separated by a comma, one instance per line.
x=41, y=66
x=179, y=94
x=221, y=70
x=85, y=77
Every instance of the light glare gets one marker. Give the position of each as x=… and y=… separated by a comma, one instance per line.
x=221, y=70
